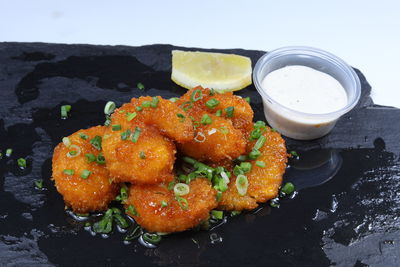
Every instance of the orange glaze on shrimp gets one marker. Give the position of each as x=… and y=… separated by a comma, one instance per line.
x=93, y=193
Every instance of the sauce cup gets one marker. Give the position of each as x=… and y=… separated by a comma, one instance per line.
x=300, y=125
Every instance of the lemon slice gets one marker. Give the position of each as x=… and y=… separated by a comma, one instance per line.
x=222, y=72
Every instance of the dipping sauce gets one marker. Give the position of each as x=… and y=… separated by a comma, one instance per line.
x=305, y=89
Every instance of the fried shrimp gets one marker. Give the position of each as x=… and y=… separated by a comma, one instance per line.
x=264, y=182
x=158, y=209
x=81, y=179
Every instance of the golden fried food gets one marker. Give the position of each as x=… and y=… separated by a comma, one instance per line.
x=264, y=182
x=158, y=210
x=241, y=117
x=83, y=194
x=216, y=141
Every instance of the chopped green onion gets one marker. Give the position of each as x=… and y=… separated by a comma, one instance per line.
x=247, y=99
x=259, y=124
x=219, y=196
x=109, y=108
x=224, y=130
x=245, y=166
x=260, y=142
x=287, y=189
x=206, y=119
x=69, y=172
x=123, y=194
x=186, y=105
x=39, y=184
x=108, y=120
x=83, y=136
x=217, y=214
x=132, y=210
x=229, y=111
x=181, y=189
x=254, y=154
x=237, y=170
x=183, y=203
x=242, y=158
x=9, y=152
x=218, y=113
x=164, y=204
x=116, y=127
x=196, y=95
x=136, y=135
x=146, y=104
x=96, y=142
x=171, y=185
x=104, y=226
x=260, y=164
x=135, y=233
x=130, y=116
x=100, y=159
x=140, y=86
x=85, y=174
x=274, y=202
x=121, y=111
x=125, y=135
x=294, y=153
x=21, y=163
x=154, y=102
x=121, y=221
x=65, y=141
x=212, y=92
x=181, y=116
x=65, y=110
x=90, y=157
x=174, y=99
x=139, y=108
x=74, y=153
x=235, y=213
x=212, y=103
x=255, y=134
x=242, y=184
x=151, y=238
x=142, y=155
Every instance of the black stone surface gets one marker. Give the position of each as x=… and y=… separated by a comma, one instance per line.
x=346, y=211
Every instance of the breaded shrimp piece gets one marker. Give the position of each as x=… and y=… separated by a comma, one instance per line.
x=149, y=202
x=82, y=194
x=216, y=141
x=264, y=183
x=242, y=115
x=167, y=117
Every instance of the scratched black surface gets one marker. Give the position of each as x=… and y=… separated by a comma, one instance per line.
x=346, y=212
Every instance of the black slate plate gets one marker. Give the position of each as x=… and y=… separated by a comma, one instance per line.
x=346, y=212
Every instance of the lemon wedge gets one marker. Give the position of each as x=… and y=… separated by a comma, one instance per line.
x=222, y=72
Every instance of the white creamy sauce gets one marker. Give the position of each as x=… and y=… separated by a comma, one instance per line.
x=305, y=89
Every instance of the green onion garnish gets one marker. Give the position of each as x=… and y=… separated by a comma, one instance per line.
x=235, y=213
x=39, y=184
x=242, y=158
x=66, y=141
x=259, y=124
x=181, y=189
x=154, y=102
x=146, y=104
x=83, y=136
x=247, y=99
x=90, y=157
x=116, y=127
x=219, y=196
x=100, y=159
x=212, y=103
x=139, y=108
x=229, y=111
x=218, y=113
x=85, y=174
x=254, y=154
x=186, y=105
x=245, y=166
x=206, y=119
x=96, y=142
x=130, y=116
x=164, y=204
x=72, y=153
x=171, y=185
x=69, y=172
x=174, y=99
x=121, y=221
x=104, y=226
x=183, y=203
x=260, y=164
x=181, y=116
x=65, y=110
x=123, y=194
x=287, y=189
x=217, y=214
x=140, y=86
x=274, y=202
x=151, y=238
x=21, y=163
x=136, y=134
x=242, y=184
x=135, y=233
x=125, y=135
x=196, y=95
x=260, y=142
x=132, y=210
x=294, y=153
x=9, y=152
x=109, y=108
x=142, y=155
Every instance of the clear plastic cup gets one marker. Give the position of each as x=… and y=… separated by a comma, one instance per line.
x=300, y=125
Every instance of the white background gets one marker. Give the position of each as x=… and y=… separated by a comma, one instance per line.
x=365, y=33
